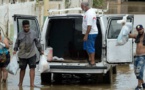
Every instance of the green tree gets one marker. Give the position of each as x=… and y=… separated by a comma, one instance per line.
x=99, y=3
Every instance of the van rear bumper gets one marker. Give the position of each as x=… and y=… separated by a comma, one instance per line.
x=77, y=69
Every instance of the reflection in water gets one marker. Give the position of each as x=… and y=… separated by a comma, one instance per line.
x=21, y=88
x=3, y=86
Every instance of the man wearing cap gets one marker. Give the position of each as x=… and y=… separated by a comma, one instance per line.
x=139, y=61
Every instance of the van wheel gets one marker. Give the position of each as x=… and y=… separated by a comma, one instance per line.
x=114, y=70
x=45, y=78
x=57, y=77
x=108, y=78
x=84, y=78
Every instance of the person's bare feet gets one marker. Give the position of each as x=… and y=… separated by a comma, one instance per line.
x=4, y=80
x=20, y=84
x=32, y=85
x=93, y=63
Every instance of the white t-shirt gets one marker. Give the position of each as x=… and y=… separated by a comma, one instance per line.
x=90, y=19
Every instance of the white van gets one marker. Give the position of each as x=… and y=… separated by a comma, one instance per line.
x=64, y=34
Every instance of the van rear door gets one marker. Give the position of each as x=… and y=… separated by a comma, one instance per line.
x=34, y=25
x=118, y=54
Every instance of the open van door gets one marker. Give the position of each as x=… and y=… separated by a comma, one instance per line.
x=34, y=25
x=118, y=54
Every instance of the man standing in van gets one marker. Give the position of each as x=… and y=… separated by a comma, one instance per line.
x=25, y=44
x=90, y=31
x=139, y=61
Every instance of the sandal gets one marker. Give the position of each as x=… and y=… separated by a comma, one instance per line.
x=93, y=65
x=89, y=61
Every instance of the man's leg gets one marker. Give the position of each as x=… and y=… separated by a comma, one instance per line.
x=85, y=48
x=142, y=81
x=5, y=64
x=32, y=66
x=91, y=47
x=139, y=82
x=139, y=70
x=89, y=56
x=22, y=66
x=5, y=74
x=22, y=74
x=32, y=76
x=92, y=55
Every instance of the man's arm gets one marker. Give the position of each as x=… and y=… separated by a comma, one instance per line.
x=38, y=45
x=132, y=36
x=16, y=46
x=6, y=42
x=87, y=32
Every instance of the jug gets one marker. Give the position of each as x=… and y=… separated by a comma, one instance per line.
x=49, y=53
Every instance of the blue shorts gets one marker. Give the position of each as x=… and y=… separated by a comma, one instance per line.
x=139, y=64
x=89, y=45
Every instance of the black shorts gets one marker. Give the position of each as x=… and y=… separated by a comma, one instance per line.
x=7, y=61
x=31, y=61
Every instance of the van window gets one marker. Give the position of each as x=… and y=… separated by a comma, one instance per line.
x=114, y=29
x=33, y=25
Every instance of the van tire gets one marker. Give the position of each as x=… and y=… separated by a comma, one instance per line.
x=45, y=77
x=57, y=77
x=114, y=71
x=108, y=77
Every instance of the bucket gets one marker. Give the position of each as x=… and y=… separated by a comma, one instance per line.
x=49, y=53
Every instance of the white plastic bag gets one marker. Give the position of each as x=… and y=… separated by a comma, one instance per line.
x=126, y=29
x=13, y=66
x=124, y=20
x=43, y=64
x=123, y=35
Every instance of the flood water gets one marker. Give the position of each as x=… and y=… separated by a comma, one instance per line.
x=123, y=80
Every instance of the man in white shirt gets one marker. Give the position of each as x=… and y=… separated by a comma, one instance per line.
x=90, y=31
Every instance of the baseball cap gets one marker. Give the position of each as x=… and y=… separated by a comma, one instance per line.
x=139, y=27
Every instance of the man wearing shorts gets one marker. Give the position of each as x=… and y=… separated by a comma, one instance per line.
x=139, y=61
x=25, y=44
x=90, y=31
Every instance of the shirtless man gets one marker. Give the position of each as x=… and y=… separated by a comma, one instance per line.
x=139, y=61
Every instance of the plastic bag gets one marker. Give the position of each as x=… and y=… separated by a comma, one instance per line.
x=123, y=35
x=13, y=66
x=124, y=20
x=43, y=64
